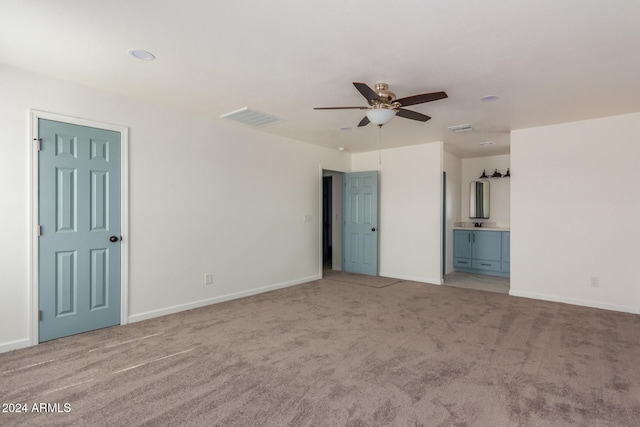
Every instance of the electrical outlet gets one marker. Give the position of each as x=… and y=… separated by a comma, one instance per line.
x=208, y=279
x=595, y=281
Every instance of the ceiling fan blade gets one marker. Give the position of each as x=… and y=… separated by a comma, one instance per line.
x=413, y=115
x=340, y=108
x=364, y=121
x=367, y=92
x=419, y=99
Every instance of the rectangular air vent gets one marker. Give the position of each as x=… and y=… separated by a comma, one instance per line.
x=250, y=117
x=460, y=128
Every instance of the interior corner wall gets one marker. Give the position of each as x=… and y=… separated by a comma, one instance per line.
x=499, y=188
x=453, y=167
x=575, y=212
x=205, y=196
x=410, y=215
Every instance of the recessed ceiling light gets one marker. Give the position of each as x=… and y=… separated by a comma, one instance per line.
x=484, y=144
x=142, y=54
x=341, y=148
x=347, y=129
x=489, y=98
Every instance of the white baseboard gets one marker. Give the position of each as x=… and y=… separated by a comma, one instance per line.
x=429, y=280
x=575, y=301
x=15, y=345
x=197, y=304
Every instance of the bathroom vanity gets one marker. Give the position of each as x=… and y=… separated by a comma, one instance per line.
x=481, y=251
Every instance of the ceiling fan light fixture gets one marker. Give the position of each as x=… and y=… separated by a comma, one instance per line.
x=380, y=116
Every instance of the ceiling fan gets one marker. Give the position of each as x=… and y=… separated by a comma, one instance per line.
x=383, y=104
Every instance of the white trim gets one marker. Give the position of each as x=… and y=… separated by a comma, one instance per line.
x=441, y=223
x=14, y=345
x=576, y=301
x=320, y=218
x=34, y=116
x=320, y=221
x=202, y=303
x=32, y=291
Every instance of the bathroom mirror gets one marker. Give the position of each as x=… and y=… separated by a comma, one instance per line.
x=479, y=199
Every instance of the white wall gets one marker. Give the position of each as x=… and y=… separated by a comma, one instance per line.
x=410, y=210
x=575, y=212
x=204, y=196
x=499, y=188
x=453, y=167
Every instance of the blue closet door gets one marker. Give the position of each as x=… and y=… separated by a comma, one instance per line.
x=361, y=223
x=79, y=215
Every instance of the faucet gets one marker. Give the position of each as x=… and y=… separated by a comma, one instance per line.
x=477, y=224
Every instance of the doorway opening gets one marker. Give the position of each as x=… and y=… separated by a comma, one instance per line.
x=331, y=221
x=327, y=242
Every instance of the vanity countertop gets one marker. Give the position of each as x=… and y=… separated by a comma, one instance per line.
x=483, y=228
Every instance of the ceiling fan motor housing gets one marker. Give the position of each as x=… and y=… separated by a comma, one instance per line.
x=386, y=96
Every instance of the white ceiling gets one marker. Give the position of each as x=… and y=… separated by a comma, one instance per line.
x=549, y=61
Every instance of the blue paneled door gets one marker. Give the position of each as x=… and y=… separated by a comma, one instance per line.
x=79, y=217
x=360, y=238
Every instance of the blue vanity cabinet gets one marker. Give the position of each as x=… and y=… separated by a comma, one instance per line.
x=462, y=249
x=481, y=251
x=506, y=251
x=487, y=245
x=462, y=243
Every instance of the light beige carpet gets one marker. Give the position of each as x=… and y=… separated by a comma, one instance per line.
x=359, y=279
x=478, y=281
x=330, y=353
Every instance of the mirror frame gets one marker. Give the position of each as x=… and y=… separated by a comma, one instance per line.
x=479, y=200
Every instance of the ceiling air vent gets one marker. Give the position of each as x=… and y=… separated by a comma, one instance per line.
x=460, y=128
x=250, y=117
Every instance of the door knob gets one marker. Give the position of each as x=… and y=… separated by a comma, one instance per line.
x=373, y=229
x=113, y=239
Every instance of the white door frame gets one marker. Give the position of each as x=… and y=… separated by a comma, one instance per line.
x=34, y=116
x=320, y=202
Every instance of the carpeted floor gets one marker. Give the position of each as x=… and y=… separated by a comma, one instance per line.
x=478, y=281
x=359, y=279
x=331, y=353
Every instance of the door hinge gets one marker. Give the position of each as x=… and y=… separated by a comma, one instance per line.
x=39, y=315
x=38, y=230
x=38, y=141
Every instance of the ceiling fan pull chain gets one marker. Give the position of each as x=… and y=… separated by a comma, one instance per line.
x=380, y=144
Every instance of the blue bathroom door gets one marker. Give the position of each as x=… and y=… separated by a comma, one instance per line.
x=360, y=238
x=79, y=217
